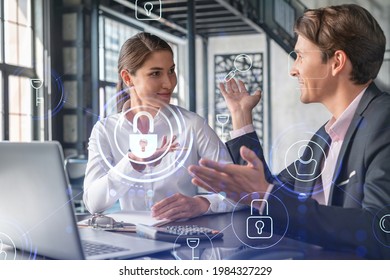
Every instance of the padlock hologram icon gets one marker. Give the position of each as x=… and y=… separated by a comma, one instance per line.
x=259, y=227
x=143, y=145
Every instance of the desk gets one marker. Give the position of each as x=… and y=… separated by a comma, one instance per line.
x=235, y=236
x=233, y=242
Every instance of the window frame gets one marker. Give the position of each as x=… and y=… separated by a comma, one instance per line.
x=8, y=70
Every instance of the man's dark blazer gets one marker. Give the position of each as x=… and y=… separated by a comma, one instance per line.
x=360, y=192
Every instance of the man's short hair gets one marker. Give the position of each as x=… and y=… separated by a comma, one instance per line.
x=349, y=28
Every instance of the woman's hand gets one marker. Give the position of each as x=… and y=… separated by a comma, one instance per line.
x=166, y=147
x=239, y=102
x=179, y=206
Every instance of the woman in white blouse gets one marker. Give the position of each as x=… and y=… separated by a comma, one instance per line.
x=140, y=155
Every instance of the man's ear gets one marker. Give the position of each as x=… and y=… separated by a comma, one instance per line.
x=340, y=59
x=126, y=77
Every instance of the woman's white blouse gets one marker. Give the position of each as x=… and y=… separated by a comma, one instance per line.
x=110, y=175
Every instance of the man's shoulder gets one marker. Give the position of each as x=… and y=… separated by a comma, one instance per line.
x=375, y=115
x=379, y=105
x=375, y=97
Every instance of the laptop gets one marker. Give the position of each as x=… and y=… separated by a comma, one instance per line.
x=37, y=215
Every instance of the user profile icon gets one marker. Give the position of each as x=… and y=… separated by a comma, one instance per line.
x=6, y=241
x=384, y=223
x=310, y=163
x=306, y=168
x=148, y=10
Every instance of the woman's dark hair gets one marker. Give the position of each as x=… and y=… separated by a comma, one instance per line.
x=132, y=56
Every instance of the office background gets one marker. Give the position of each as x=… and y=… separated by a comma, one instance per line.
x=58, y=63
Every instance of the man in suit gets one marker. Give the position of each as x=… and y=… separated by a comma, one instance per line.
x=344, y=204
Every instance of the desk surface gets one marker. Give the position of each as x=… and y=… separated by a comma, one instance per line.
x=236, y=242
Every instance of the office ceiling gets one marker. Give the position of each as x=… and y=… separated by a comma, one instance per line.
x=215, y=17
x=212, y=17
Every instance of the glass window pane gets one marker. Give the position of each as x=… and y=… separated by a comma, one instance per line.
x=24, y=12
x=14, y=128
x=10, y=44
x=101, y=47
x=25, y=46
x=115, y=36
x=107, y=100
x=14, y=95
x=111, y=66
x=1, y=41
x=110, y=100
x=18, y=33
x=69, y=26
x=20, y=128
x=108, y=33
x=26, y=128
x=20, y=108
x=70, y=60
x=1, y=108
x=10, y=10
x=101, y=64
x=102, y=102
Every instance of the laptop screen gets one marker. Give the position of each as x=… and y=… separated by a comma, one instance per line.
x=36, y=213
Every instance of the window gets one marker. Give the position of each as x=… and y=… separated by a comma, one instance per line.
x=16, y=68
x=1, y=74
x=18, y=32
x=113, y=35
x=1, y=107
x=20, y=109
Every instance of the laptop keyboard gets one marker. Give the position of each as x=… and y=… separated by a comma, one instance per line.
x=94, y=248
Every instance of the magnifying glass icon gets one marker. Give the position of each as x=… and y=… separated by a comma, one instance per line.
x=242, y=63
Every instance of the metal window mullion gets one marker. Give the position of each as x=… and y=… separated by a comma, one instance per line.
x=191, y=55
x=6, y=106
x=36, y=125
x=80, y=78
x=95, y=69
x=3, y=74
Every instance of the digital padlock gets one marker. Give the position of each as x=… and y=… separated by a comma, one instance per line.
x=259, y=227
x=143, y=145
